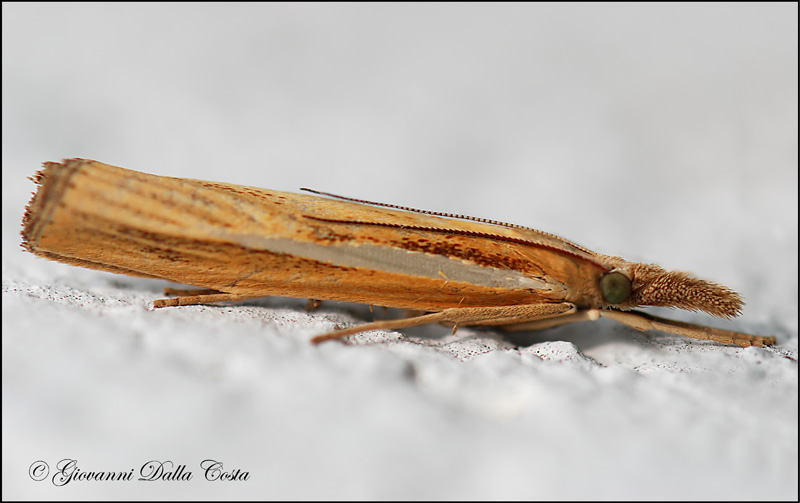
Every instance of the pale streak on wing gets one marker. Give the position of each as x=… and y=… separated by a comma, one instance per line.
x=394, y=260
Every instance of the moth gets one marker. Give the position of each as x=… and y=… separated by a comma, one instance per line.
x=235, y=242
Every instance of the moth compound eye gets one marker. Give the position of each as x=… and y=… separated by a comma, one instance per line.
x=616, y=287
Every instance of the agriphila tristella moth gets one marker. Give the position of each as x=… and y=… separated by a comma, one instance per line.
x=236, y=243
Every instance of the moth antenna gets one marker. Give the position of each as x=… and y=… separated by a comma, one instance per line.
x=442, y=214
x=463, y=232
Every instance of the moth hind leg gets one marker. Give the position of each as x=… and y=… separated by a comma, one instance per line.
x=489, y=315
x=198, y=296
x=188, y=292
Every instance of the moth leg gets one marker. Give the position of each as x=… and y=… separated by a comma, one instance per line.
x=208, y=298
x=526, y=313
x=580, y=315
x=489, y=315
x=642, y=321
x=189, y=291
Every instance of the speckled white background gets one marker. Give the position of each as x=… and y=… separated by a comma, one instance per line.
x=663, y=133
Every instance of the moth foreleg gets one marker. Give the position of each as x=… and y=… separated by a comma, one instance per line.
x=642, y=321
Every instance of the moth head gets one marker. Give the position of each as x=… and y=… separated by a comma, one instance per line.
x=634, y=285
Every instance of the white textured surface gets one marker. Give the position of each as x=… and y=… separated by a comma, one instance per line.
x=666, y=134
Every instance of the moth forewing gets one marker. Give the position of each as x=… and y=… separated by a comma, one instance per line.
x=241, y=242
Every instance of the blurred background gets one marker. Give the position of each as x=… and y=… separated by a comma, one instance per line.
x=663, y=133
